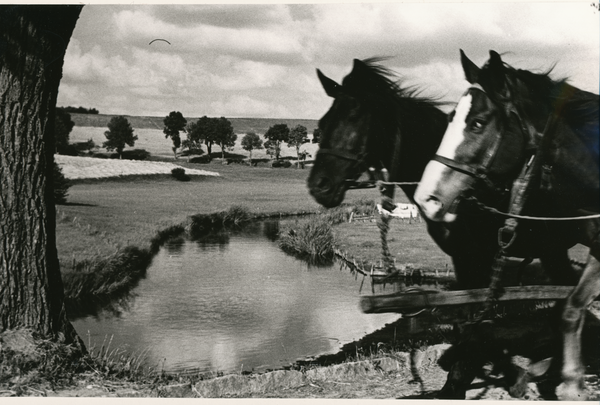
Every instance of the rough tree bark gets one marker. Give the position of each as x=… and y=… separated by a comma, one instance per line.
x=33, y=41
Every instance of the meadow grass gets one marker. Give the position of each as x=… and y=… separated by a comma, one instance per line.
x=105, y=222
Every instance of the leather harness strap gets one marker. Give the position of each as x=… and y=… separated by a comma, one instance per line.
x=340, y=153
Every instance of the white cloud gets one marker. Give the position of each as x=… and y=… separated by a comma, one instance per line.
x=140, y=27
x=245, y=106
x=260, y=60
x=235, y=74
x=438, y=79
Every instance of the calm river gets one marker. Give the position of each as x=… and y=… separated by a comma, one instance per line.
x=234, y=301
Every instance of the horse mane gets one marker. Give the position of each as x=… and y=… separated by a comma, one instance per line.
x=578, y=108
x=377, y=82
x=396, y=105
x=399, y=111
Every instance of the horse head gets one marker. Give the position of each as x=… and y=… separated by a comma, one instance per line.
x=373, y=122
x=513, y=121
x=343, y=151
x=485, y=144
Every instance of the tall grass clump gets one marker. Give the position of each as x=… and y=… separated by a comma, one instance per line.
x=312, y=240
x=116, y=362
x=31, y=365
x=163, y=235
x=95, y=282
x=26, y=360
x=236, y=215
x=201, y=224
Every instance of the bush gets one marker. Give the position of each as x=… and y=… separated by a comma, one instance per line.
x=179, y=174
x=61, y=185
x=135, y=154
x=200, y=159
x=236, y=215
x=282, y=163
x=86, y=146
x=69, y=150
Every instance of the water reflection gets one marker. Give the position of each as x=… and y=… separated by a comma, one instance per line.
x=175, y=245
x=234, y=301
x=271, y=230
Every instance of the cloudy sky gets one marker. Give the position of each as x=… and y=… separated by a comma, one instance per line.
x=259, y=60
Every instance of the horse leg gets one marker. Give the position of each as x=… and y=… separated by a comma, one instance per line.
x=573, y=315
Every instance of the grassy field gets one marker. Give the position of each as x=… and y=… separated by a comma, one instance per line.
x=104, y=216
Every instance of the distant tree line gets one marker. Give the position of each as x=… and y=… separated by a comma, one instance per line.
x=219, y=131
x=79, y=110
x=205, y=131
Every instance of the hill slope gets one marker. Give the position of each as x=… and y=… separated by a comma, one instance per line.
x=240, y=125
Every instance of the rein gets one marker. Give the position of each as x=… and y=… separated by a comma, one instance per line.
x=527, y=217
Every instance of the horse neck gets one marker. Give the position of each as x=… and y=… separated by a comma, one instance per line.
x=413, y=144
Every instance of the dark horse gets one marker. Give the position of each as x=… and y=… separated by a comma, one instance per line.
x=374, y=122
x=513, y=122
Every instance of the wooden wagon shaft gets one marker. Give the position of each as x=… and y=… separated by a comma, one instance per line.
x=400, y=302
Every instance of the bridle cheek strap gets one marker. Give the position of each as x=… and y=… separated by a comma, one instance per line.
x=480, y=171
x=477, y=172
x=359, y=160
x=340, y=154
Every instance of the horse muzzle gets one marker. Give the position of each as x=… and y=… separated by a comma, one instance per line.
x=439, y=191
x=326, y=191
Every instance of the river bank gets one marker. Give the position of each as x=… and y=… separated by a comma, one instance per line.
x=103, y=219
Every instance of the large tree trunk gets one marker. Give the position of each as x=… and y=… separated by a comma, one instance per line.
x=33, y=41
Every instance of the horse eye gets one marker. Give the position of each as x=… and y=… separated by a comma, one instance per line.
x=477, y=125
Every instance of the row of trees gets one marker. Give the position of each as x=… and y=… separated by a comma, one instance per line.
x=208, y=131
x=80, y=110
x=219, y=131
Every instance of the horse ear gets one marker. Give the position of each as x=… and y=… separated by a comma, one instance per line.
x=471, y=70
x=331, y=87
x=357, y=65
x=497, y=73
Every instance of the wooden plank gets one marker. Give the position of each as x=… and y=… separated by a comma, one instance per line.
x=400, y=302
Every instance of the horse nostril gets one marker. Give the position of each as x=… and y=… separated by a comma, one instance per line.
x=434, y=201
x=323, y=184
x=430, y=203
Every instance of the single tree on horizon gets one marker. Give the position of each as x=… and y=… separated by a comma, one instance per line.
x=275, y=135
x=201, y=131
x=251, y=141
x=174, y=123
x=118, y=135
x=224, y=135
x=298, y=137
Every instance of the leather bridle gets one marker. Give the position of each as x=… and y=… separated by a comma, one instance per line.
x=359, y=159
x=480, y=171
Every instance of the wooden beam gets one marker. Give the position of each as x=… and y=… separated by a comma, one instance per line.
x=400, y=302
